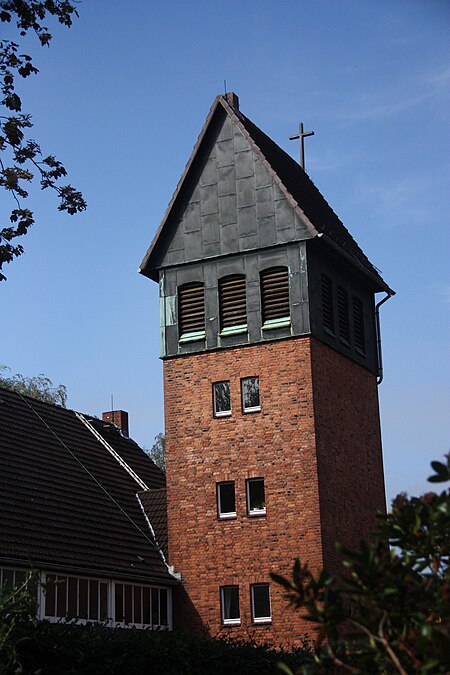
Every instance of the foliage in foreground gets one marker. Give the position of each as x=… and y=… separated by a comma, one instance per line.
x=39, y=386
x=18, y=607
x=52, y=649
x=391, y=612
x=21, y=157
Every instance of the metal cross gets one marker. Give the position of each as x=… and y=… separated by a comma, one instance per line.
x=301, y=135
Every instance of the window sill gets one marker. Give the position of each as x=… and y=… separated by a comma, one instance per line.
x=257, y=513
x=251, y=410
x=231, y=622
x=234, y=330
x=262, y=622
x=227, y=516
x=192, y=337
x=276, y=323
x=222, y=414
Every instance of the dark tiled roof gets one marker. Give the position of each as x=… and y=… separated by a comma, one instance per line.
x=65, y=501
x=155, y=506
x=131, y=453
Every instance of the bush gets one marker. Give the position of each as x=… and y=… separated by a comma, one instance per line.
x=67, y=649
x=390, y=612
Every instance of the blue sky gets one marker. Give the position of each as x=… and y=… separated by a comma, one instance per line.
x=121, y=98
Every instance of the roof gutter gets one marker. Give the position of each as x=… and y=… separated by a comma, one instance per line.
x=378, y=332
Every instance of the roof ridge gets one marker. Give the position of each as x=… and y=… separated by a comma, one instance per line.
x=113, y=452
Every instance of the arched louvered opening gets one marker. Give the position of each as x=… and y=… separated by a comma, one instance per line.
x=343, y=318
x=232, y=301
x=358, y=325
x=191, y=308
x=327, y=303
x=275, y=294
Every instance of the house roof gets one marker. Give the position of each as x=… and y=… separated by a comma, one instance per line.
x=293, y=181
x=155, y=506
x=68, y=500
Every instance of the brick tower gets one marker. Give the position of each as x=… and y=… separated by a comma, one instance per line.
x=271, y=358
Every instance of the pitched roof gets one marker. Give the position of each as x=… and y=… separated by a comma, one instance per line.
x=294, y=182
x=66, y=501
x=155, y=506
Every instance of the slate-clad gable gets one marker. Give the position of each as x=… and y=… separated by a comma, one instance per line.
x=220, y=200
x=54, y=476
x=235, y=205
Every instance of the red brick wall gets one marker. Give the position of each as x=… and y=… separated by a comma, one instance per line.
x=277, y=444
x=317, y=433
x=348, y=440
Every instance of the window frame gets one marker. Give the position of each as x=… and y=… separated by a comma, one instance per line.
x=343, y=311
x=250, y=409
x=359, y=332
x=190, y=335
x=225, y=515
x=283, y=320
x=225, y=289
x=229, y=622
x=221, y=413
x=327, y=298
x=152, y=590
x=260, y=619
x=255, y=511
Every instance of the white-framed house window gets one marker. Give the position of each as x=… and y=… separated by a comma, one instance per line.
x=222, y=399
x=11, y=577
x=260, y=600
x=141, y=606
x=256, y=498
x=69, y=597
x=229, y=604
x=250, y=394
x=226, y=500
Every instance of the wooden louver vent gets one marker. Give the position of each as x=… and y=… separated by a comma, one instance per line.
x=344, y=324
x=233, y=304
x=191, y=308
x=275, y=293
x=358, y=324
x=327, y=303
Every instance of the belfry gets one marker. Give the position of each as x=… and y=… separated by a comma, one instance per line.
x=270, y=343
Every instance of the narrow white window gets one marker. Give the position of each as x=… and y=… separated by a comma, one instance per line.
x=260, y=596
x=226, y=500
x=250, y=394
x=221, y=399
x=256, y=498
x=229, y=601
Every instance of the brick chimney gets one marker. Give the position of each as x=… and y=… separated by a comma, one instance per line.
x=232, y=99
x=119, y=418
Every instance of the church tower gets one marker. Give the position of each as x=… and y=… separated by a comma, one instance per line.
x=271, y=358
